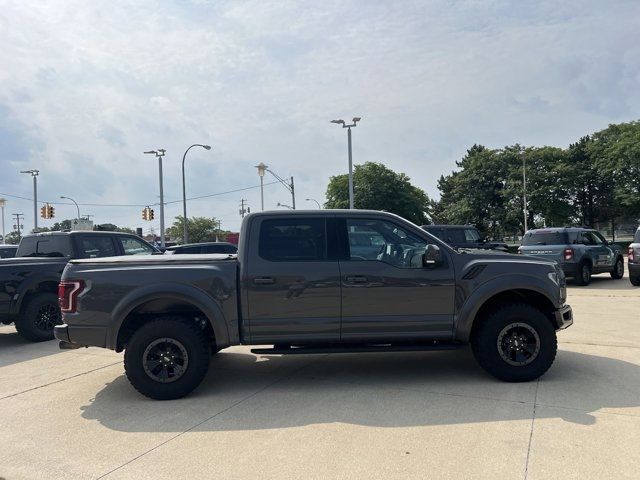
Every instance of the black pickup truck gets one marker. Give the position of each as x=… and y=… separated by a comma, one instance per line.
x=29, y=282
x=299, y=284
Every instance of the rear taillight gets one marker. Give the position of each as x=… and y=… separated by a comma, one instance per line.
x=631, y=254
x=68, y=295
x=568, y=254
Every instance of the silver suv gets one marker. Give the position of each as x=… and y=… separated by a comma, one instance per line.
x=581, y=252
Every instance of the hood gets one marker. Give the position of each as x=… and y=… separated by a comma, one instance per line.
x=498, y=256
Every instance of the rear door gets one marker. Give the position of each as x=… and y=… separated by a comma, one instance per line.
x=292, y=286
x=390, y=295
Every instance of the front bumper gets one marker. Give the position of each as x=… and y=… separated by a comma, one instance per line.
x=564, y=317
x=80, y=335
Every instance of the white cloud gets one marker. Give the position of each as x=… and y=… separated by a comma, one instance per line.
x=86, y=87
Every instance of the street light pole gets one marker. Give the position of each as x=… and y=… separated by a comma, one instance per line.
x=34, y=173
x=69, y=198
x=185, y=233
x=3, y=202
x=348, y=127
x=159, y=154
x=524, y=195
x=262, y=168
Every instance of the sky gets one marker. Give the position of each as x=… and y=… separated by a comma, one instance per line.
x=87, y=86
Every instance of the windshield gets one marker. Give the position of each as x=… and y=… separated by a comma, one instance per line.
x=545, y=238
x=45, y=246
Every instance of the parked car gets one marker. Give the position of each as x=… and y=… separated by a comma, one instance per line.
x=299, y=286
x=205, y=247
x=29, y=282
x=8, y=251
x=463, y=236
x=581, y=252
x=634, y=259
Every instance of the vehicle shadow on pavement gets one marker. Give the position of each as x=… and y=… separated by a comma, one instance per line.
x=15, y=349
x=247, y=392
x=603, y=282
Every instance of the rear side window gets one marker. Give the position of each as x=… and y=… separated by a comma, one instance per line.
x=96, y=246
x=133, y=246
x=471, y=235
x=293, y=239
x=45, y=246
x=7, y=252
x=454, y=235
x=545, y=238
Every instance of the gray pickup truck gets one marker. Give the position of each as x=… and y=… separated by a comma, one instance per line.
x=298, y=286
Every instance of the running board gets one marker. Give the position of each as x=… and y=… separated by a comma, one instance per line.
x=356, y=349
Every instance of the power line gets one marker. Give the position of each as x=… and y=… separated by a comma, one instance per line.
x=137, y=204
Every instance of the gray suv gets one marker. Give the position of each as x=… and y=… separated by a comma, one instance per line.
x=634, y=260
x=581, y=252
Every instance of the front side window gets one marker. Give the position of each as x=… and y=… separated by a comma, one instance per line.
x=133, y=246
x=385, y=242
x=95, y=247
x=293, y=239
x=471, y=235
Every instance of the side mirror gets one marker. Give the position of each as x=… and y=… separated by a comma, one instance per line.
x=432, y=256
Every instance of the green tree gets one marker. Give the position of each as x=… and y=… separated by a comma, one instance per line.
x=200, y=229
x=377, y=187
x=110, y=227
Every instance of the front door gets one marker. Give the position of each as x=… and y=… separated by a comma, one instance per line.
x=387, y=294
x=292, y=287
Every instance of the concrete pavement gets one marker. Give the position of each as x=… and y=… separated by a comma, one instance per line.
x=72, y=414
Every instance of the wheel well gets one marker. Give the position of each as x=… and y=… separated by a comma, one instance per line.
x=44, y=287
x=154, y=309
x=531, y=297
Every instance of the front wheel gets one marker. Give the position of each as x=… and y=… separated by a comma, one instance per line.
x=618, y=269
x=167, y=358
x=635, y=281
x=515, y=343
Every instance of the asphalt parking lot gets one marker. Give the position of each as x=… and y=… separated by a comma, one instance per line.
x=73, y=414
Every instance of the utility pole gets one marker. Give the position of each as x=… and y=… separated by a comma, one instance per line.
x=159, y=155
x=17, y=218
x=348, y=127
x=524, y=194
x=3, y=202
x=243, y=210
x=34, y=173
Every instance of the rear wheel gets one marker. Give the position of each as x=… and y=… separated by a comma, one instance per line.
x=39, y=317
x=635, y=281
x=584, y=274
x=167, y=358
x=515, y=343
x=618, y=269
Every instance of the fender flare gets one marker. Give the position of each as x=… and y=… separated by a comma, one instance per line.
x=465, y=317
x=174, y=291
x=31, y=285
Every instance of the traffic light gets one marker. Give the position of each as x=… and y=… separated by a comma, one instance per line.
x=44, y=211
x=145, y=213
x=51, y=211
x=151, y=215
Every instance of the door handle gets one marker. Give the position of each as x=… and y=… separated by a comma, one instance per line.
x=356, y=279
x=263, y=281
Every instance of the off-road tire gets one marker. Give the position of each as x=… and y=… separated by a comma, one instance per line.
x=484, y=342
x=618, y=269
x=38, y=317
x=584, y=274
x=176, y=329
